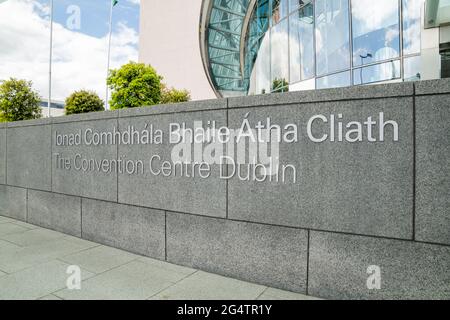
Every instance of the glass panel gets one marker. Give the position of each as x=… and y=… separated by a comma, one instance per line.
x=225, y=26
x=437, y=13
x=280, y=58
x=280, y=10
x=295, y=4
x=259, y=24
x=376, y=73
x=294, y=49
x=262, y=66
x=411, y=26
x=303, y=85
x=375, y=30
x=332, y=36
x=334, y=81
x=411, y=68
x=25, y=43
x=301, y=29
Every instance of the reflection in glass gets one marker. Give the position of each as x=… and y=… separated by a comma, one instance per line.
x=301, y=47
x=303, y=85
x=411, y=68
x=279, y=10
x=411, y=26
x=295, y=4
x=258, y=30
x=332, y=36
x=375, y=30
x=279, y=48
x=319, y=44
x=336, y=80
x=376, y=73
x=262, y=66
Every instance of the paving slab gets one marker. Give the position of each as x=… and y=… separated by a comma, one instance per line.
x=50, y=297
x=11, y=228
x=33, y=255
x=133, y=281
x=85, y=243
x=36, y=282
x=32, y=237
x=25, y=225
x=37, y=269
x=276, y=294
x=6, y=246
x=168, y=266
x=208, y=286
x=99, y=259
x=6, y=220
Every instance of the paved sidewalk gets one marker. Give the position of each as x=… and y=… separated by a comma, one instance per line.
x=34, y=261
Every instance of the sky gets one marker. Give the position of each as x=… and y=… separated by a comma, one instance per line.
x=80, y=43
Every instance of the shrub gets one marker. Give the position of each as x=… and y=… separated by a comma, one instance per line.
x=18, y=101
x=83, y=101
x=173, y=95
x=134, y=85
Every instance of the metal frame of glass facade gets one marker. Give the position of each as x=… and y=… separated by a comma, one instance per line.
x=269, y=52
x=225, y=19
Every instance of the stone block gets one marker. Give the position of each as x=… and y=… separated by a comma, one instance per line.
x=55, y=211
x=355, y=187
x=29, y=157
x=138, y=230
x=268, y=255
x=341, y=266
x=433, y=169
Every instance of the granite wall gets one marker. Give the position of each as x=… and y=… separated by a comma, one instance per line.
x=368, y=219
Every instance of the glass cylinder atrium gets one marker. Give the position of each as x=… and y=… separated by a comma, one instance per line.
x=290, y=45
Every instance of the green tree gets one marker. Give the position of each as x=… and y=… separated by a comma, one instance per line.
x=83, y=101
x=134, y=85
x=173, y=95
x=280, y=85
x=18, y=101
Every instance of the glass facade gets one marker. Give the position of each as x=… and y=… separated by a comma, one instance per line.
x=306, y=44
x=337, y=43
x=224, y=41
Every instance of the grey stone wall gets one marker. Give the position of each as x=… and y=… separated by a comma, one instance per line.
x=354, y=205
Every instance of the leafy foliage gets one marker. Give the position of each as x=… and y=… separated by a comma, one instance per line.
x=280, y=85
x=18, y=101
x=134, y=85
x=83, y=101
x=173, y=95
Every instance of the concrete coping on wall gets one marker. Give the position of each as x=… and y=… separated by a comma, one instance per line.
x=403, y=89
x=439, y=86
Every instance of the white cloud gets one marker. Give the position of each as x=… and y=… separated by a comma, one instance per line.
x=136, y=2
x=370, y=15
x=79, y=60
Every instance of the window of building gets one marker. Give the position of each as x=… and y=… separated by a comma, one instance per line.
x=280, y=9
x=332, y=36
x=411, y=25
x=376, y=31
x=295, y=4
x=279, y=48
x=301, y=46
x=336, y=80
x=376, y=73
x=411, y=68
x=262, y=66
